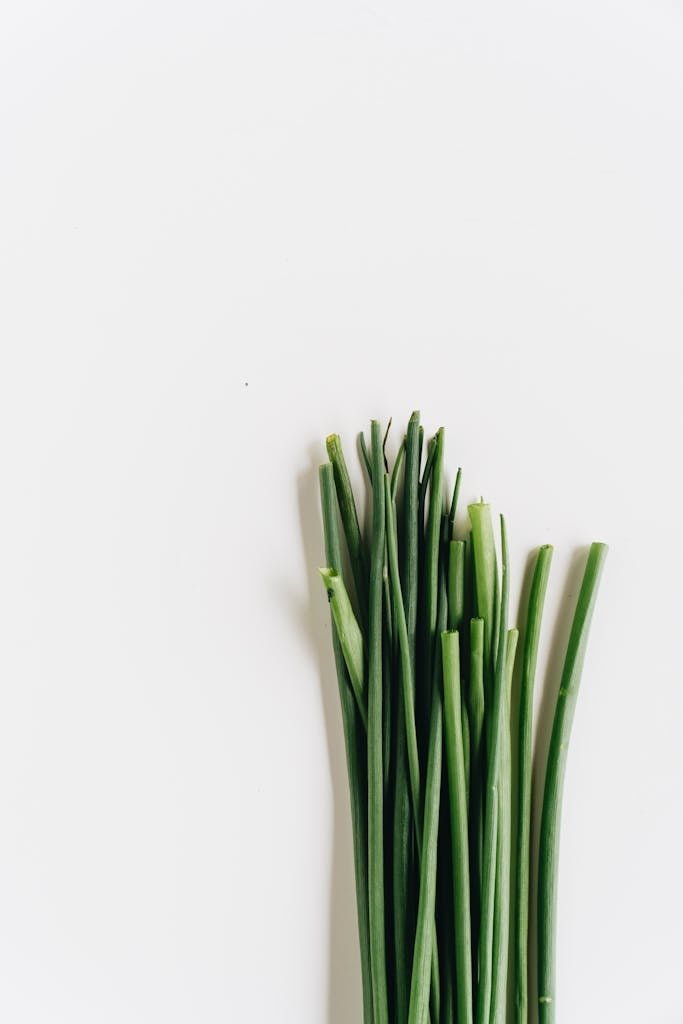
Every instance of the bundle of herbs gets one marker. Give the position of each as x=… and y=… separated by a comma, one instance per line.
x=425, y=661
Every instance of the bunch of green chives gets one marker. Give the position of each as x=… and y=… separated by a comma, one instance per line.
x=425, y=661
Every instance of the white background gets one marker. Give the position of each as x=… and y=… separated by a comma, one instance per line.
x=229, y=228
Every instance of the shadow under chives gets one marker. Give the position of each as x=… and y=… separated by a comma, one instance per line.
x=344, y=1001
x=549, y=681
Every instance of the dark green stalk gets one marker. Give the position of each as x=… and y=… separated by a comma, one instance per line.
x=365, y=455
x=388, y=712
x=477, y=773
x=424, y=988
x=484, y=552
x=501, y=922
x=404, y=785
x=411, y=528
x=532, y=634
x=427, y=474
x=432, y=550
x=375, y=744
x=552, y=796
x=455, y=763
x=396, y=471
x=402, y=871
x=354, y=739
x=491, y=799
x=407, y=686
x=349, y=517
x=454, y=505
x=405, y=661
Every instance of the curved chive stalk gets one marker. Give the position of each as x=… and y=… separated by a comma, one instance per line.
x=405, y=660
x=455, y=767
x=491, y=801
x=501, y=924
x=401, y=877
x=355, y=742
x=388, y=652
x=349, y=517
x=427, y=474
x=424, y=986
x=375, y=743
x=365, y=455
x=554, y=779
x=406, y=775
x=398, y=466
x=454, y=504
x=411, y=528
x=349, y=634
x=432, y=546
x=532, y=634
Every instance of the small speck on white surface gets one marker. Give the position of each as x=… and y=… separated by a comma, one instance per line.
x=472, y=209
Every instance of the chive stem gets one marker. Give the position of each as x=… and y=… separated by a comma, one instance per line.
x=349, y=517
x=501, y=926
x=549, y=848
x=457, y=793
x=355, y=743
x=375, y=742
x=532, y=632
x=349, y=635
x=491, y=803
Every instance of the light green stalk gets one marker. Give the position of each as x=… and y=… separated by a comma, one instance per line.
x=356, y=755
x=375, y=743
x=532, y=634
x=457, y=793
x=552, y=796
x=491, y=801
x=501, y=925
x=349, y=635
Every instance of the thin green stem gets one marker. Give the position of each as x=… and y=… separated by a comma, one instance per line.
x=477, y=771
x=454, y=505
x=398, y=466
x=532, y=634
x=432, y=549
x=552, y=796
x=355, y=742
x=349, y=635
x=405, y=659
x=402, y=869
x=424, y=938
x=501, y=923
x=411, y=528
x=455, y=764
x=365, y=455
x=484, y=552
x=491, y=800
x=349, y=517
x=375, y=742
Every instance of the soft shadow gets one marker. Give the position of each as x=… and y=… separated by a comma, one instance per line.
x=544, y=725
x=344, y=987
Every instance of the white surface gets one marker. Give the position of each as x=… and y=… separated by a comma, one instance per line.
x=227, y=229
